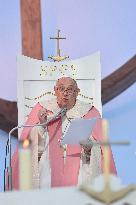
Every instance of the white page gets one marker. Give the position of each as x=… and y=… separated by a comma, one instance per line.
x=79, y=130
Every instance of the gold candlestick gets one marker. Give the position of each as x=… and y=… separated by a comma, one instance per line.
x=107, y=195
x=106, y=154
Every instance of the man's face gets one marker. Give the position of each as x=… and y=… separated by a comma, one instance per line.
x=66, y=92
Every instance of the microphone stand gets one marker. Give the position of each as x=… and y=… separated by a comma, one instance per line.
x=5, y=166
x=61, y=113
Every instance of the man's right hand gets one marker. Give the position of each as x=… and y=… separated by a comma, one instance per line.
x=42, y=115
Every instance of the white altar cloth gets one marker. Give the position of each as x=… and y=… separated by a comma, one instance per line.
x=57, y=196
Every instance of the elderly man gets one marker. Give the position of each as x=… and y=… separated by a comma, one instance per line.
x=73, y=164
x=64, y=165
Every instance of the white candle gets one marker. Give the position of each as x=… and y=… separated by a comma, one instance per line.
x=25, y=166
x=106, y=153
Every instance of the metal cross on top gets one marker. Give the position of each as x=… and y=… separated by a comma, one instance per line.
x=58, y=57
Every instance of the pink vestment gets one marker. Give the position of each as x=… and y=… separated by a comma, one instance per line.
x=61, y=174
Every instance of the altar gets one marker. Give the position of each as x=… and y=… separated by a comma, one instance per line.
x=58, y=196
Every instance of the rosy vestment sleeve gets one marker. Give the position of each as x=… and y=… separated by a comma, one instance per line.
x=32, y=119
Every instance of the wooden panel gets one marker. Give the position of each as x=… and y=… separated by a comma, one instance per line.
x=118, y=81
x=31, y=28
x=8, y=115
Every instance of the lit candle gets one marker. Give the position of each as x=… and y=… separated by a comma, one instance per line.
x=25, y=166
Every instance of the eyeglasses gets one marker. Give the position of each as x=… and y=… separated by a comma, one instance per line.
x=69, y=90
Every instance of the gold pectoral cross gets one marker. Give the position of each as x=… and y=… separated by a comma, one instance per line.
x=64, y=150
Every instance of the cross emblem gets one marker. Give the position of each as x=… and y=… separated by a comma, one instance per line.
x=107, y=195
x=58, y=57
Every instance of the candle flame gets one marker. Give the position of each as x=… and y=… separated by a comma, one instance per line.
x=26, y=143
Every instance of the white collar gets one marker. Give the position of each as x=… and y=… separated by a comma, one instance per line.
x=78, y=111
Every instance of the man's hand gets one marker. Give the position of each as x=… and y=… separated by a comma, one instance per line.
x=42, y=115
x=87, y=149
x=87, y=145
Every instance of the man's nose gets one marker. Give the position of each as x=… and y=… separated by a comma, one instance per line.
x=65, y=92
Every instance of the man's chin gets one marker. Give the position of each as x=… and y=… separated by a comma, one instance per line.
x=65, y=102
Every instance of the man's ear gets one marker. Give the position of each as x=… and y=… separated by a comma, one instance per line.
x=78, y=90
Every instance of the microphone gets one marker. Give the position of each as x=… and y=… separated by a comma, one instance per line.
x=60, y=113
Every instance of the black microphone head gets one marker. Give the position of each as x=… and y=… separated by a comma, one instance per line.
x=63, y=111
